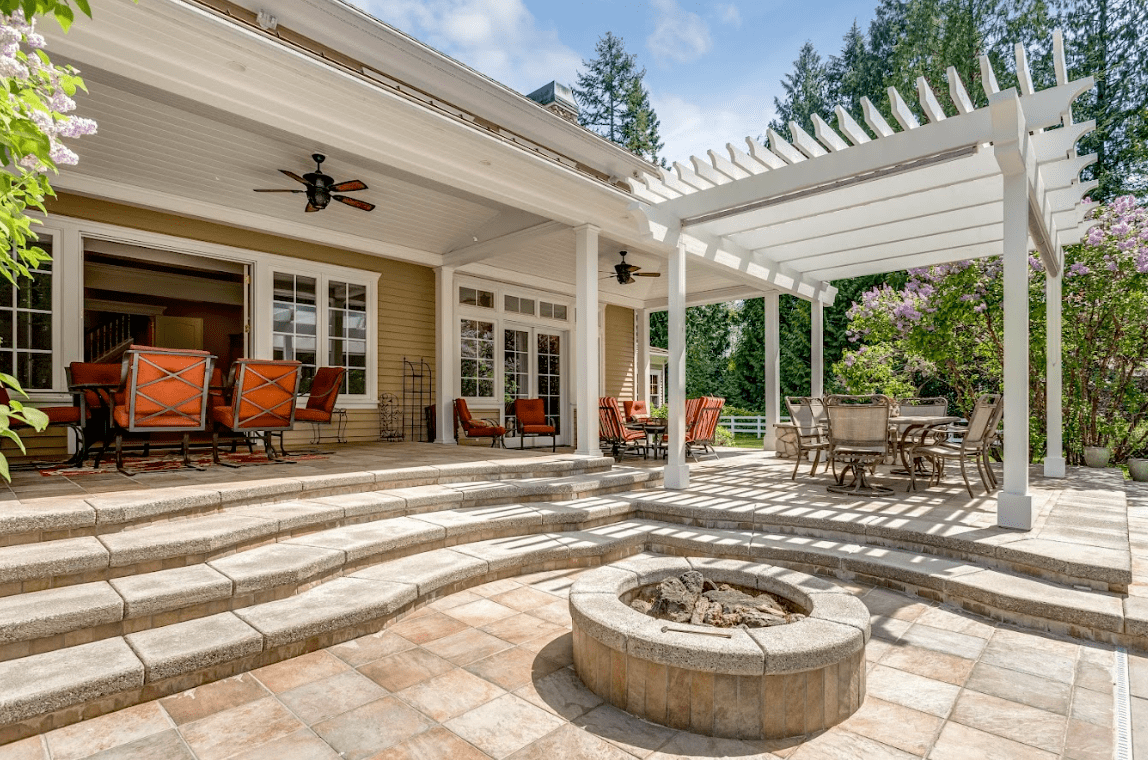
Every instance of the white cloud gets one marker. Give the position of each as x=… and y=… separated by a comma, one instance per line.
x=690, y=128
x=728, y=13
x=679, y=36
x=500, y=38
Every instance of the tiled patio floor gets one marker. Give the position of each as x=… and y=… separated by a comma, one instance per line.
x=486, y=673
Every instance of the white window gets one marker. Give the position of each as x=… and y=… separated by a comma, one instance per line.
x=518, y=305
x=26, y=334
x=476, y=297
x=476, y=370
x=295, y=321
x=551, y=310
x=347, y=333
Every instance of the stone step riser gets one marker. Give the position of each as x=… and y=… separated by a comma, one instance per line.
x=98, y=563
x=149, y=684
x=100, y=515
x=649, y=512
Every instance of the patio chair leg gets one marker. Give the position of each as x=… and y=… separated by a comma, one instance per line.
x=120, y=456
x=965, y=476
x=187, y=453
x=797, y=464
x=816, y=461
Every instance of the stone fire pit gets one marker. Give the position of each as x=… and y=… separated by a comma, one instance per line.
x=770, y=682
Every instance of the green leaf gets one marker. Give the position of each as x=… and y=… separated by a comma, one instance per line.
x=4, y=468
x=84, y=7
x=64, y=16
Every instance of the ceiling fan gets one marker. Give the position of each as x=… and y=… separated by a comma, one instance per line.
x=322, y=188
x=625, y=273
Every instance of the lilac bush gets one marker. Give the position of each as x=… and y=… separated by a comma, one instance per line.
x=946, y=324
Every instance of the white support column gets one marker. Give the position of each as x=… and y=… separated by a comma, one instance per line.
x=1054, y=459
x=772, y=369
x=586, y=338
x=642, y=368
x=817, y=349
x=677, y=472
x=446, y=377
x=1014, y=503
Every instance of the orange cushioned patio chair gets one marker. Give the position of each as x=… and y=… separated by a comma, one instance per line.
x=321, y=400
x=163, y=390
x=704, y=428
x=530, y=418
x=476, y=428
x=96, y=382
x=263, y=396
x=613, y=431
x=58, y=416
x=636, y=411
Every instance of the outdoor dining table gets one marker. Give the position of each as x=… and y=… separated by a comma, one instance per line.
x=909, y=425
x=655, y=430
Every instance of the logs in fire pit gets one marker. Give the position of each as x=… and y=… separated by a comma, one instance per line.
x=692, y=598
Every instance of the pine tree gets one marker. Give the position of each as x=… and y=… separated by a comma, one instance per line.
x=613, y=100
x=806, y=92
x=853, y=74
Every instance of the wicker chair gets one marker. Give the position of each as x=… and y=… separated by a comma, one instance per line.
x=858, y=431
x=612, y=431
x=809, y=431
x=530, y=419
x=973, y=445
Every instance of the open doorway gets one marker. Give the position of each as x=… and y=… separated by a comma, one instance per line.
x=163, y=298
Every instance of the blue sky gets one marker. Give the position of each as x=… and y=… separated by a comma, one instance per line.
x=713, y=68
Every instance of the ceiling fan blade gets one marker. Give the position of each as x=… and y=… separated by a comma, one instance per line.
x=632, y=268
x=280, y=191
x=311, y=207
x=294, y=176
x=354, y=202
x=646, y=274
x=348, y=186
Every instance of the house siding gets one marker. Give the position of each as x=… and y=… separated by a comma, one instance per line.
x=618, y=353
x=406, y=300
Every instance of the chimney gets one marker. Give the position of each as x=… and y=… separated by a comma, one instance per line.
x=556, y=98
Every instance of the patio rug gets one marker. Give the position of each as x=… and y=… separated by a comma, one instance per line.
x=165, y=462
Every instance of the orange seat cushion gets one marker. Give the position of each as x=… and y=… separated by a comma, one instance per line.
x=120, y=415
x=57, y=415
x=225, y=416
x=483, y=432
x=538, y=429
x=306, y=414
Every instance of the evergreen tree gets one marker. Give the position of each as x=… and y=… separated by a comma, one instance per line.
x=614, y=102
x=853, y=74
x=708, y=337
x=807, y=92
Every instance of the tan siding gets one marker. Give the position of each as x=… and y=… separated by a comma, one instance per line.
x=406, y=298
x=618, y=348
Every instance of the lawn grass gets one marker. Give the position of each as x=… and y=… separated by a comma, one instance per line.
x=746, y=441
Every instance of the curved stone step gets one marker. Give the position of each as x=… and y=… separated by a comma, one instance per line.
x=197, y=538
x=50, y=519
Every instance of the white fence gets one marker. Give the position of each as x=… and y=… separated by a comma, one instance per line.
x=756, y=426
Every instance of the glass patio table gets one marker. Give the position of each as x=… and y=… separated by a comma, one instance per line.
x=910, y=426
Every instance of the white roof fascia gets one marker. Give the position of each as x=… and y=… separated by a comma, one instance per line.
x=706, y=297
x=355, y=33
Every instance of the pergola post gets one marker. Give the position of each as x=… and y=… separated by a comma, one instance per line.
x=1014, y=503
x=772, y=369
x=446, y=378
x=817, y=348
x=677, y=472
x=642, y=366
x=1054, y=457
x=586, y=337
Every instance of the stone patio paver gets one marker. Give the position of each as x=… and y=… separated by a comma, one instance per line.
x=386, y=697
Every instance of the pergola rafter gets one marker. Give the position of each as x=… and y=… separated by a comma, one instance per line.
x=1003, y=178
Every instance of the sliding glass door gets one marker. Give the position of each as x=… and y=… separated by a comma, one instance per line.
x=532, y=362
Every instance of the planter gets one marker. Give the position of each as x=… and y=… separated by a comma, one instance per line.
x=1138, y=469
x=1097, y=456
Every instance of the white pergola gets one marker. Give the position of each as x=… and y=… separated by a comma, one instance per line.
x=999, y=180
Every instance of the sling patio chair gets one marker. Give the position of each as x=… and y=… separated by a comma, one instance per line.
x=858, y=432
x=530, y=419
x=613, y=431
x=263, y=398
x=694, y=408
x=809, y=432
x=163, y=390
x=973, y=444
x=476, y=428
x=702, y=433
x=321, y=399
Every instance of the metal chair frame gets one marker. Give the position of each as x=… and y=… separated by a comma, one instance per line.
x=239, y=396
x=859, y=444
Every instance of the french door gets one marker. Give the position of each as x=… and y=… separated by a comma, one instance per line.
x=532, y=362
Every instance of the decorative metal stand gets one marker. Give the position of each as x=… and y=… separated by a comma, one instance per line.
x=418, y=393
x=390, y=418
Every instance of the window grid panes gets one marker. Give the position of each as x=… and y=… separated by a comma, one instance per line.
x=518, y=305
x=475, y=297
x=516, y=370
x=293, y=331
x=477, y=365
x=347, y=333
x=551, y=310
x=26, y=326
x=549, y=377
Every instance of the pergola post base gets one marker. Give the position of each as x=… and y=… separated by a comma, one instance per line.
x=1054, y=467
x=676, y=476
x=1014, y=510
